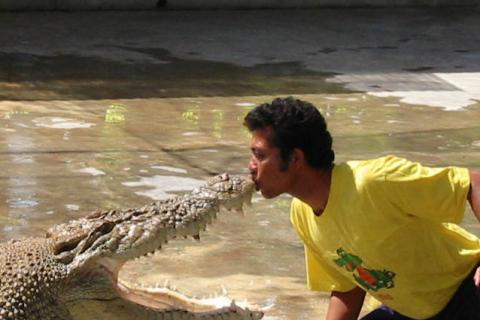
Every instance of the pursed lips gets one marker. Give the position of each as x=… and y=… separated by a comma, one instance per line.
x=252, y=176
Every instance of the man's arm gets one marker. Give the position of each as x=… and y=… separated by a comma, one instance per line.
x=474, y=199
x=345, y=305
x=474, y=193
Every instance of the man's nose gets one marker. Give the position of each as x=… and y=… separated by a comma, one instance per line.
x=252, y=165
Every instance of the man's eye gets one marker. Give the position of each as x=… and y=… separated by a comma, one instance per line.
x=259, y=156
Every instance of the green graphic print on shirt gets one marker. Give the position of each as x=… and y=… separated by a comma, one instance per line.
x=368, y=278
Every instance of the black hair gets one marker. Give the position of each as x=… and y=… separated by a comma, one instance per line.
x=295, y=124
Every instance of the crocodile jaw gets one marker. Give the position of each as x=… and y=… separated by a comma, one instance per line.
x=103, y=241
x=127, y=234
x=164, y=299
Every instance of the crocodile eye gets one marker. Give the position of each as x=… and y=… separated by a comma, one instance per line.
x=66, y=245
x=70, y=242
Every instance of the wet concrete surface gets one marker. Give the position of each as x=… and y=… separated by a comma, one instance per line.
x=109, y=110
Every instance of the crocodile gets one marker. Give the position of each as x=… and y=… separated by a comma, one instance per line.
x=72, y=272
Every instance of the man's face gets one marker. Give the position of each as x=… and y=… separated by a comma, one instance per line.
x=266, y=165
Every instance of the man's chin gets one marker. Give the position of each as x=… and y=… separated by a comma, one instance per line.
x=257, y=187
x=267, y=195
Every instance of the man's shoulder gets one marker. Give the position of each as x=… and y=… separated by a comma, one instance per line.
x=380, y=162
x=394, y=168
x=376, y=166
x=374, y=171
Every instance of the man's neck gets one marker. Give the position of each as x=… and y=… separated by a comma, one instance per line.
x=313, y=188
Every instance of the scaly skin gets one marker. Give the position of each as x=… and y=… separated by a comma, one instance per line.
x=72, y=273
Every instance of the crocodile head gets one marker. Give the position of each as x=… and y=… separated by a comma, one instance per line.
x=104, y=240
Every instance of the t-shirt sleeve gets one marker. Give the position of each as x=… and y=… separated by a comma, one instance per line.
x=438, y=194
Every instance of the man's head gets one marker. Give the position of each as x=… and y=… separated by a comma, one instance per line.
x=283, y=128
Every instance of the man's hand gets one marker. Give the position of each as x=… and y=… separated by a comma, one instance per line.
x=474, y=199
x=474, y=193
x=476, y=278
x=345, y=305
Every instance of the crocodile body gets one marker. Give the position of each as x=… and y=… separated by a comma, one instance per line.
x=72, y=273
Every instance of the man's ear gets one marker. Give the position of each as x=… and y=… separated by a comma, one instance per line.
x=298, y=158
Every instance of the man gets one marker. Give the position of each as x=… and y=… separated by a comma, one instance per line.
x=387, y=226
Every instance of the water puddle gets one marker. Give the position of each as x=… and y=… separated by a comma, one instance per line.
x=164, y=186
x=21, y=203
x=170, y=169
x=60, y=123
x=92, y=171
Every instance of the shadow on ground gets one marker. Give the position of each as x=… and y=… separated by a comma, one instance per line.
x=34, y=77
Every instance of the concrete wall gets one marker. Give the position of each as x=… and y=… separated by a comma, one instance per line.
x=216, y=4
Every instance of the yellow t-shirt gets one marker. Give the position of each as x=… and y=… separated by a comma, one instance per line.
x=390, y=227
